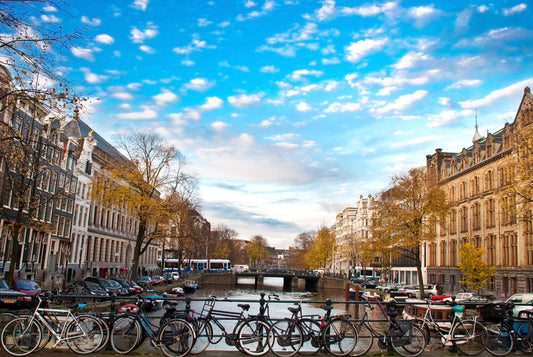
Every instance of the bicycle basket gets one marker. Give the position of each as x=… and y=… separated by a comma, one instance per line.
x=492, y=312
x=402, y=327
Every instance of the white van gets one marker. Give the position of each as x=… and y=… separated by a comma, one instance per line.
x=240, y=268
x=521, y=298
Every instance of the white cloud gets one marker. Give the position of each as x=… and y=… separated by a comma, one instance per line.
x=446, y=117
x=357, y=50
x=145, y=114
x=463, y=83
x=122, y=95
x=410, y=60
x=422, y=11
x=401, y=102
x=85, y=53
x=138, y=36
x=199, y=84
x=104, y=38
x=94, y=78
x=514, y=90
x=212, y=103
x=269, y=69
x=165, y=97
x=147, y=49
x=140, y=4
x=298, y=74
x=303, y=107
x=91, y=22
x=219, y=125
x=50, y=18
x=369, y=10
x=342, y=107
x=243, y=100
x=326, y=11
x=515, y=9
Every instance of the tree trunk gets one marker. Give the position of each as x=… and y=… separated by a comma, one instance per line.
x=14, y=253
x=137, y=251
x=419, y=272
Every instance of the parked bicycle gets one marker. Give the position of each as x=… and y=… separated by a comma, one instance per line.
x=505, y=332
x=335, y=334
x=83, y=334
x=467, y=335
x=249, y=332
x=174, y=338
x=403, y=336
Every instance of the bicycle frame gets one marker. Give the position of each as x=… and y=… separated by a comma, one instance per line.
x=58, y=334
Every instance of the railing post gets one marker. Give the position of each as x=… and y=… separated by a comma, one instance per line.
x=187, y=306
x=112, y=309
x=262, y=302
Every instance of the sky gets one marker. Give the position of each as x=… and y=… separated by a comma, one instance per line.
x=288, y=111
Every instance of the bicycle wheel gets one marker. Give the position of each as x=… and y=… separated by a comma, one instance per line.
x=125, y=334
x=285, y=338
x=425, y=329
x=253, y=337
x=105, y=330
x=176, y=338
x=204, y=333
x=365, y=340
x=469, y=336
x=339, y=337
x=524, y=338
x=21, y=336
x=311, y=335
x=500, y=340
x=410, y=342
x=84, y=334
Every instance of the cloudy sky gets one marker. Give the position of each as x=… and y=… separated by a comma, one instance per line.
x=289, y=110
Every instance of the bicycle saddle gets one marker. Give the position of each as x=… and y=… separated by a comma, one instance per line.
x=392, y=314
x=293, y=309
x=326, y=307
x=245, y=307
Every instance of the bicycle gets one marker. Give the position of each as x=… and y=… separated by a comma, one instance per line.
x=467, y=335
x=336, y=334
x=83, y=334
x=174, y=338
x=403, y=336
x=248, y=334
x=502, y=334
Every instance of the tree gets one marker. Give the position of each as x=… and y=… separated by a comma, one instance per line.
x=301, y=245
x=29, y=58
x=321, y=250
x=405, y=217
x=475, y=271
x=222, y=244
x=257, y=250
x=152, y=184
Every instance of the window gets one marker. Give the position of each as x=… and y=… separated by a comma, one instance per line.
x=476, y=216
x=453, y=252
x=453, y=222
x=490, y=219
x=528, y=235
x=464, y=219
x=488, y=181
x=88, y=167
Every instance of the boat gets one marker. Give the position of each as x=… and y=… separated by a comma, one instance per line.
x=178, y=291
x=153, y=302
x=190, y=286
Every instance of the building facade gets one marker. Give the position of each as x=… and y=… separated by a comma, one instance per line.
x=481, y=210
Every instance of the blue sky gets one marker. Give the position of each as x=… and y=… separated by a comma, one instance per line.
x=289, y=110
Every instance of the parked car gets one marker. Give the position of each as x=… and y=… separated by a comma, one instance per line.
x=28, y=287
x=413, y=291
x=171, y=277
x=145, y=282
x=522, y=302
x=105, y=284
x=137, y=289
x=157, y=280
x=121, y=289
x=13, y=299
x=369, y=284
x=126, y=286
x=81, y=288
x=388, y=287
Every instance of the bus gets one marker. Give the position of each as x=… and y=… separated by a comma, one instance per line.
x=205, y=265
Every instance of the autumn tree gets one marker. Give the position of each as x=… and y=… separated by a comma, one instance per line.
x=34, y=101
x=150, y=183
x=301, y=245
x=476, y=273
x=257, y=250
x=222, y=242
x=405, y=217
x=321, y=250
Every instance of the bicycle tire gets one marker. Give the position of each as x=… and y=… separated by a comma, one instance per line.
x=339, y=337
x=5, y=317
x=524, y=338
x=365, y=340
x=21, y=336
x=500, y=339
x=410, y=343
x=90, y=334
x=176, y=338
x=285, y=338
x=125, y=334
x=105, y=330
x=311, y=335
x=253, y=337
x=425, y=329
x=469, y=336
x=204, y=332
